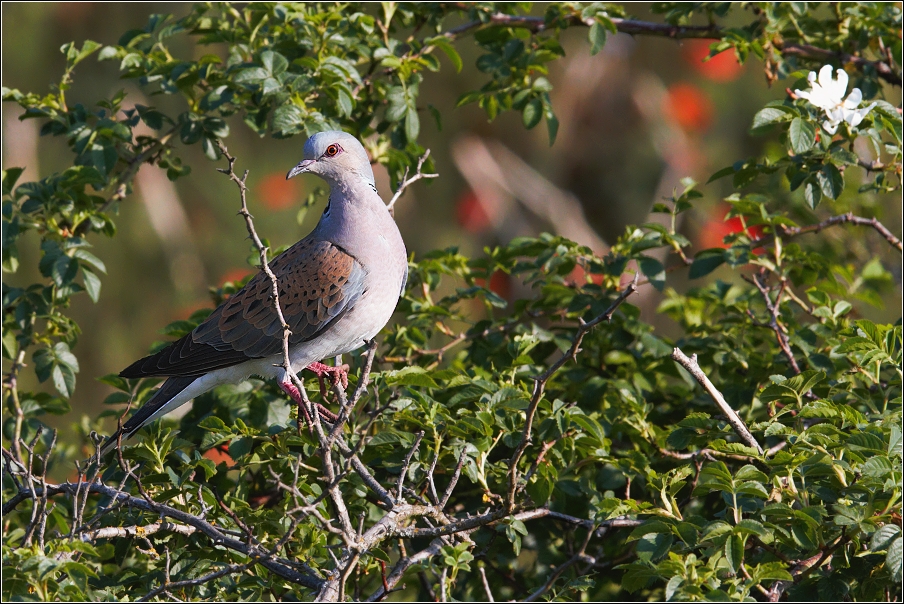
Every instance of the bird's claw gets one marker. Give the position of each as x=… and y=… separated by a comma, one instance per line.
x=338, y=375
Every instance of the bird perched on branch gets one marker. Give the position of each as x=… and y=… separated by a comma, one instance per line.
x=338, y=288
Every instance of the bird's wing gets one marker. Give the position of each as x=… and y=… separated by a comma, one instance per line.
x=318, y=283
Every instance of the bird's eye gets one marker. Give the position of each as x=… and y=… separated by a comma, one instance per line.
x=332, y=150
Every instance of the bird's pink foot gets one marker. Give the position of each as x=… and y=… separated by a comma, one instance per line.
x=337, y=375
x=290, y=389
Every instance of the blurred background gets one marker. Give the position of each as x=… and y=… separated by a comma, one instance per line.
x=635, y=119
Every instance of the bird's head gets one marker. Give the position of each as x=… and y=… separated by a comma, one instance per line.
x=336, y=157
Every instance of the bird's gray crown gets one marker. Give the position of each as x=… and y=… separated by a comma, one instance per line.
x=336, y=156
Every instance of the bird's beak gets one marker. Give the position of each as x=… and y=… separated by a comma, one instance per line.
x=300, y=168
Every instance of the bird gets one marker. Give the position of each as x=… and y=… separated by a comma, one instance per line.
x=338, y=287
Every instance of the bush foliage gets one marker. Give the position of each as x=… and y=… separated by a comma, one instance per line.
x=529, y=450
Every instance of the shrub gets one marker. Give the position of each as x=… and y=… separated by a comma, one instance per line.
x=552, y=447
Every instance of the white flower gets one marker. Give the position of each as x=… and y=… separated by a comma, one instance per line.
x=827, y=94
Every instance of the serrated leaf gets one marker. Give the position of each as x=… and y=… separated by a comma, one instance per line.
x=801, y=135
x=884, y=537
x=895, y=559
x=767, y=117
x=734, y=552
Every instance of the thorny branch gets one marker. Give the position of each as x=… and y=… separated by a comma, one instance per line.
x=774, y=308
x=834, y=220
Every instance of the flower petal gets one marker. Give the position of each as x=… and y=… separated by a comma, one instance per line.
x=839, y=86
x=825, y=76
x=853, y=99
x=830, y=127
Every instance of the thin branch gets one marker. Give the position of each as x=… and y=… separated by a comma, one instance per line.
x=262, y=254
x=808, y=51
x=120, y=184
x=540, y=384
x=788, y=231
x=690, y=363
x=580, y=556
x=279, y=566
x=455, y=475
x=646, y=28
x=774, y=309
x=627, y=26
x=403, y=565
x=227, y=570
x=407, y=462
x=486, y=584
x=406, y=182
x=112, y=532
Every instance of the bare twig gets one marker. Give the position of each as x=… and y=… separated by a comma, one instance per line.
x=455, y=475
x=579, y=556
x=403, y=565
x=690, y=363
x=112, y=532
x=226, y=570
x=405, y=464
x=486, y=584
x=406, y=182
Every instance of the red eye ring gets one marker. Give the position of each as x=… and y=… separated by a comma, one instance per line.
x=332, y=150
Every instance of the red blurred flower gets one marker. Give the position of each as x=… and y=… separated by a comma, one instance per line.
x=220, y=455
x=276, y=192
x=723, y=67
x=717, y=228
x=470, y=214
x=579, y=276
x=500, y=284
x=689, y=106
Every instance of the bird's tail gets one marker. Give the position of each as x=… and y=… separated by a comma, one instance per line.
x=161, y=403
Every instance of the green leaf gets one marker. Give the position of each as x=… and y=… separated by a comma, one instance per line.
x=411, y=376
x=831, y=181
x=444, y=45
x=346, y=106
x=734, y=552
x=812, y=193
x=706, y=261
x=895, y=559
x=597, y=38
x=552, y=123
x=768, y=117
x=412, y=124
x=654, y=270
x=801, y=135
x=92, y=284
x=532, y=113
x=884, y=537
